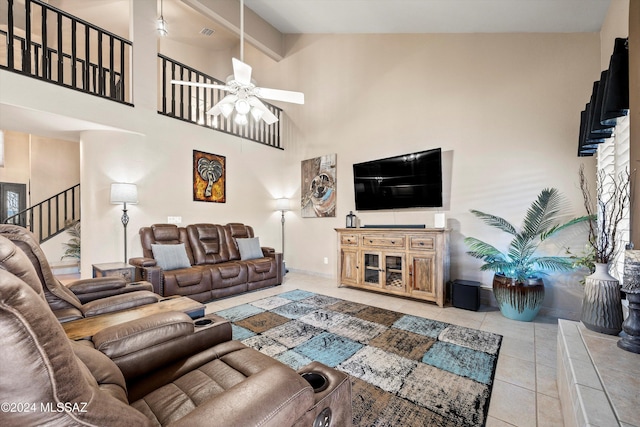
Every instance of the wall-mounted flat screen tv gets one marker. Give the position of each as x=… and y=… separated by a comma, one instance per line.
x=407, y=181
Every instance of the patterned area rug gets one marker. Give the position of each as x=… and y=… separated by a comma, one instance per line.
x=405, y=370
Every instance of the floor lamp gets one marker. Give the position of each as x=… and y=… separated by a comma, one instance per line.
x=124, y=193
x=283, y=205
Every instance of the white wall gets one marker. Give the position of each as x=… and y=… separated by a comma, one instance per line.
x=503, y=107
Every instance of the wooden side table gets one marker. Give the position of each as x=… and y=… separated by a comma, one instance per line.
x=118, y=269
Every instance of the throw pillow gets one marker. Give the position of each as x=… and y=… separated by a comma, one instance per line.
x=249, y=248
x=171, y=257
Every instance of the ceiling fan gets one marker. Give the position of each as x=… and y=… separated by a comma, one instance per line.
x=244, y=96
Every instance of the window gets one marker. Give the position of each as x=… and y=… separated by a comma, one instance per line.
x=613, y=160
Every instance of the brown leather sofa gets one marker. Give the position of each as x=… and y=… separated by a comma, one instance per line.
x=82, y=298
x=213, y=268
x=49, y=380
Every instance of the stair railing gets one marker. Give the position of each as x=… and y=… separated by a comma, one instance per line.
x=52, y=216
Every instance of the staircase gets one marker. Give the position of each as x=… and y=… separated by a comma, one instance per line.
x=50, y=217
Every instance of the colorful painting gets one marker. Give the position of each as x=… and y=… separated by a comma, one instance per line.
x=318, y=188
x=209, y=177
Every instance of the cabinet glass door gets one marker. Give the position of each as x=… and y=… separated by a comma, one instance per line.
x=372, y=268
x=393, y=272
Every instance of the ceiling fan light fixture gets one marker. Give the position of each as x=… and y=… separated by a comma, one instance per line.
x=241, y=119
x=242, y=106
x=257, y=114
x=226, y=110
x=244, y=96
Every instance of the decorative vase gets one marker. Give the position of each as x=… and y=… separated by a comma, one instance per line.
x=517, y=300
x=601, y=304
x=631, y=325
x=631, y=287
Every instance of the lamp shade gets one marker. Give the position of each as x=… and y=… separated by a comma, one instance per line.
x=283, y=204
x=124, y=193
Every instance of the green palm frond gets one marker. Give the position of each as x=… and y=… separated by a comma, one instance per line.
x=503, y=267
x=542, y=212
x=553, y=263
x=522, y=246
x=495, y=221
x=519, y=261
x=482, y=250
x=557, y=228
x=72, y=247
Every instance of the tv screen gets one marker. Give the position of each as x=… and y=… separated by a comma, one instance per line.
x=407, y=181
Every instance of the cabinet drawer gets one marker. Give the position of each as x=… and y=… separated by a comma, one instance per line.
x=422, y=242
x=383, y=241
x=349, y=239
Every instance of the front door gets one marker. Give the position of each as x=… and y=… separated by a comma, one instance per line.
x=13, y=200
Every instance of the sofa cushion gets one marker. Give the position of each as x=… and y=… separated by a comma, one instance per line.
x=249, y=248
x=171, y=257
x=208, y=243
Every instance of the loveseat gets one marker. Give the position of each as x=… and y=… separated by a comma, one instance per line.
x=49, y=380
x=205, y=261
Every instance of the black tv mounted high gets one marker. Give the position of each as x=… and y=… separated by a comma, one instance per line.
x=408, y=181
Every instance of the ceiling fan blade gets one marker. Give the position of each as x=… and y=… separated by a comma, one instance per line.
x=205, y=85
x=241, y=72
x=279, y=95
x=268, y=117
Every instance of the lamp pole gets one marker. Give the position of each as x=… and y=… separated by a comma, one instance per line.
x=282, y=227
x=125, y=221
x=282, y=205
x=122, y=192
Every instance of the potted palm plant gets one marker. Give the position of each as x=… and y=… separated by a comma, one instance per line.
x=72, y=247
x=517, y=284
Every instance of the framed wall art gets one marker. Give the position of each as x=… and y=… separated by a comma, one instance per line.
x=318, y=187
x=209, y=177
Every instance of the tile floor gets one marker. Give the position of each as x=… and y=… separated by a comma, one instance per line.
x=525, y=392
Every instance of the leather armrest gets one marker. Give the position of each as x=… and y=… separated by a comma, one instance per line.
x=151, y=367
x=279, y=397
x=142, y=262
x=119, y=303
x=141, y=285
x=267, y=251
x=97, y=284
x=95, y=294
x=120, y=340
x=67, y=314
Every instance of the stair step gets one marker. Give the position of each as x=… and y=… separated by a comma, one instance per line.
x=65, y=268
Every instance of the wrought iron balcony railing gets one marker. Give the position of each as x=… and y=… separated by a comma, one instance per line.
x=46, y=43
x=43, y=42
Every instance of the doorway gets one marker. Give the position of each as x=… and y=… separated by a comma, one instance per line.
x=13, y=200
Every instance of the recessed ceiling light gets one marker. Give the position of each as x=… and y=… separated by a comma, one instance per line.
x=207, y=31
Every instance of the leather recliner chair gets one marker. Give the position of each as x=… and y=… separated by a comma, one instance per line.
x=82, y=298
x=49, y=380
x=158, y=339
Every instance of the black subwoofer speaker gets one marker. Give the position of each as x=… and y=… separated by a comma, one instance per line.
x=465, y=294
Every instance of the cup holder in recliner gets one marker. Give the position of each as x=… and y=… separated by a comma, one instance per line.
x=203, y=322
x=317, y=380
